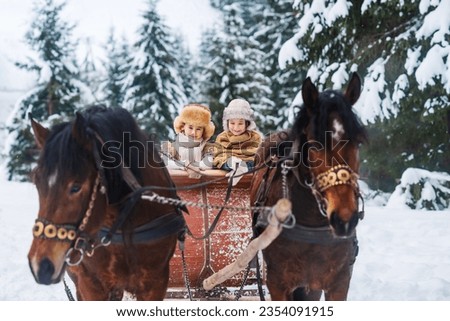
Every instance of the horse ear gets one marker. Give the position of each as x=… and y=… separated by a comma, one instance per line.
x=79, y=129
x=40, y=132
x=353, y=89
x=310, y=94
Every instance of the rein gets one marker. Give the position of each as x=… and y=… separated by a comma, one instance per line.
x=168, y=224
x=336, y=175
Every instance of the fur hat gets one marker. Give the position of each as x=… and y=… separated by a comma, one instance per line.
x=197, y=115
x=237, y=109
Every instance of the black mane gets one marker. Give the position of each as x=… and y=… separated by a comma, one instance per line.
x=104, y=128
x=330, y=101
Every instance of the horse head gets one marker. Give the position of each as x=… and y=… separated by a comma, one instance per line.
x=331, y=137
x=68, y=185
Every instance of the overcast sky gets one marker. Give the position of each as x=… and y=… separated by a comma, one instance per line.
x=94, y=18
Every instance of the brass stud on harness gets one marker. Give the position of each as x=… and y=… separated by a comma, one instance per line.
x=71, y=235
x=343, y=175
x=50, y=231
x=38, y=228
x=336, y=175
x=62, y=233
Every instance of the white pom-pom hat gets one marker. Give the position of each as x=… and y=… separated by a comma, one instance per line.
x=238, y=109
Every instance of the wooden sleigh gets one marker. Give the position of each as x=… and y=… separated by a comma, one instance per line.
x=216, y=265
x=204, y=257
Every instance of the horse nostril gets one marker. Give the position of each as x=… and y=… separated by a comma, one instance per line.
x=342, y=228
x=45, y=273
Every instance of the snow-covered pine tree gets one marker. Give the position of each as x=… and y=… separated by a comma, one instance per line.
x=253, y=84
x=154, y=88
x=230, y=66
x=275, y=23
x=58, y=91
x=212, y=68
x=117, y=67
x=89, y=72
x=402, y=50
x=188, y=71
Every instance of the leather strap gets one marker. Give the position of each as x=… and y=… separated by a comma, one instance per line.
x=168, y=224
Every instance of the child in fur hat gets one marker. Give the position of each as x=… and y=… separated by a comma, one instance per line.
x=193, y=128
x=236, y=146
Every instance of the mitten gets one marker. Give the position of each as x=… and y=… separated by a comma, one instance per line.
x=237, y=174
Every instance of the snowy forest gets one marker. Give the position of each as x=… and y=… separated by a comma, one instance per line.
x=261, y=51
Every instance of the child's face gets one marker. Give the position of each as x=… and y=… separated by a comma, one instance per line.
x=237, y=126
x=195, y=132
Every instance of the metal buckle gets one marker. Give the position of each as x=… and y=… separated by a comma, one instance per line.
x=69, y=253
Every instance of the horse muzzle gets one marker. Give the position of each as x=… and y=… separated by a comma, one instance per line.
x=46, y=259
x=44, y=272
x=342, y=228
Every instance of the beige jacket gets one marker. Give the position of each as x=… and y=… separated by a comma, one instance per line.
x=243, y=146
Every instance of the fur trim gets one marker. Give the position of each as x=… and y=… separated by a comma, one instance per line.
x=197, y=115
x=238, y=109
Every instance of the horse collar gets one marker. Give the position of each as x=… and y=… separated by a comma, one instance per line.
x=314, y=235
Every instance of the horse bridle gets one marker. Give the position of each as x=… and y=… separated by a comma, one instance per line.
x=72, y=233
x=335, y=176
x=340, y=174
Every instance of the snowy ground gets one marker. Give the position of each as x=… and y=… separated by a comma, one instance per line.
x=404, y=254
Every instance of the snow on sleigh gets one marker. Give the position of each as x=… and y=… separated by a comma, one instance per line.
x=212, y=245
x=218, y=251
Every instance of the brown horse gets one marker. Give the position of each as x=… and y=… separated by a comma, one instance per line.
x=108, y=242
x=315, y=165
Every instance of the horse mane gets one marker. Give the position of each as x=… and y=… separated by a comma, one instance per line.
x=330, y=101
x=63, y=153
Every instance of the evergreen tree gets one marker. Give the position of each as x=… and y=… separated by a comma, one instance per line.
x=231, y=69
x=212, y=68
x=117, y=67
x=155, y=90
x=58, y=91
x=90, y=74
x=275, y=21
x=403, y=52
x=188, y=72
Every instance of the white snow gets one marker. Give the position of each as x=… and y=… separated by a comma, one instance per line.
x=289, y=53
x=403, y=253
x=433, y=66
x=370, y=104
x=436, y=23
x=415, y=181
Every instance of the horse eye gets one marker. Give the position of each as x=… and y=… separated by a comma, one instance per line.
x=75, y=188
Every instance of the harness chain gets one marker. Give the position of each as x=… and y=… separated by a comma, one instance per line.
x=67, y=289
x=244, y=279
x=284, y=172
x=155, y=197
x=181, y=239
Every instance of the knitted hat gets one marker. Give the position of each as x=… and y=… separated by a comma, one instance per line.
x=197, y=115
x=237, y=109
